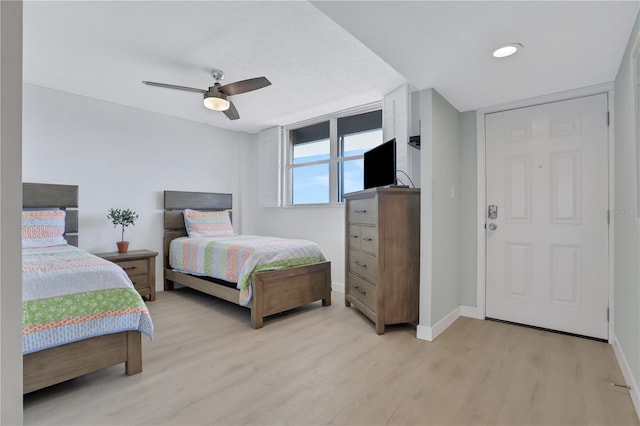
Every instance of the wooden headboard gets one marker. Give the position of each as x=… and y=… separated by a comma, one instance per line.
x=174, y=204
x=46, y=196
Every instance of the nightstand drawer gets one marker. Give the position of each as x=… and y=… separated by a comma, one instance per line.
x=140, y=281
x=134, y=267
x=364, y=210
x=140, y=266
x=363, y=291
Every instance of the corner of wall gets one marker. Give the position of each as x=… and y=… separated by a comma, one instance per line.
x=627, y=374
x=427, y=333
x=337, y=287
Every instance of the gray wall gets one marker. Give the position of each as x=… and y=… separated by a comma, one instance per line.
x=446, y=208
x=440, y=208
x=10, y=208
x=467, y=208
x=426, y=206
x=627, y=248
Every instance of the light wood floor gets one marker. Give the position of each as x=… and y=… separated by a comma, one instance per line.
x=327, y=366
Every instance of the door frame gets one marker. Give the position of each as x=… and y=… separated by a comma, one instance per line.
x=481, y=251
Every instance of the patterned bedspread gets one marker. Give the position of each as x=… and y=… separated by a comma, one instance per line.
x=69, y=294
x=236, y=257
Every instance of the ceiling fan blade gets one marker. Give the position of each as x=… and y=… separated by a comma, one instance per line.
x=232, y=112
x=173, y=86
x=245, y=86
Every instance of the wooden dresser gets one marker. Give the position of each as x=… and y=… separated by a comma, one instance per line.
x=383, y=254
x=140, y=266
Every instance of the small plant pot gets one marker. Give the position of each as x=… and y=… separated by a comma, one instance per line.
x=123, y=246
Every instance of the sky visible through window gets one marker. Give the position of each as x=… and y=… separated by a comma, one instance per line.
x=311, y=183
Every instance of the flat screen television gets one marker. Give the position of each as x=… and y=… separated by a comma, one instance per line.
x=380, y=165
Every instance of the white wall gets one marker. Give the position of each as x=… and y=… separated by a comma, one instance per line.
x=440, y=205
x=125, y=157
x=627, y=238
x=10, y=218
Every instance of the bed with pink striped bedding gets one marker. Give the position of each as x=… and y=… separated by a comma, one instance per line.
x=69, y=295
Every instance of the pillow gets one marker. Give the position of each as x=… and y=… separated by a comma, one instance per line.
x=207, y=224
x=43, y=228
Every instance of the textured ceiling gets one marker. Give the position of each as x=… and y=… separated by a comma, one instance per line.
x=320, y=57
x=104, y=50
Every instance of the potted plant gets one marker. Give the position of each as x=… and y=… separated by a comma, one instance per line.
x=123, y=218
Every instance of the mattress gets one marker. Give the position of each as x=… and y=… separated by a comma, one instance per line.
x=69, y=294
x=235, y=258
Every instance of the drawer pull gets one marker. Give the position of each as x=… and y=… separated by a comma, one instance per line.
x=129, y=268
x=368, y=239
x=363, y=265
x=360, y=211
x=355, y=287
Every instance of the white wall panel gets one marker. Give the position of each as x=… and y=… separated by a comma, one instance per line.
x=565, y=274
x=566, y=188
x=270, y=167
x=518, y=270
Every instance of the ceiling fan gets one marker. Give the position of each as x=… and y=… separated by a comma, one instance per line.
x=215, y=97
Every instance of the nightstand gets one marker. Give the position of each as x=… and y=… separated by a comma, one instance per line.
x=140, y=266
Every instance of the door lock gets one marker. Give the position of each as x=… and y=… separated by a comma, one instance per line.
x=493, y=211
x=493, y=227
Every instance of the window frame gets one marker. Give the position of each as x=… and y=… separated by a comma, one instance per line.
x=333, y=160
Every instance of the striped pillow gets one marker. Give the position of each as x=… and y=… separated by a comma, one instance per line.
x=207, y=224
x=43, y=228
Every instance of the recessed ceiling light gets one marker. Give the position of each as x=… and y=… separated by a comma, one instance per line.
x=507, y=50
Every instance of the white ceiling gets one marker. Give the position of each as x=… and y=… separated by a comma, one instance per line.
x=448, y=45
x=104, y=49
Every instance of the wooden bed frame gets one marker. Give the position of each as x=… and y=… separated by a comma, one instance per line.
x=273, y=291
x=58, y=364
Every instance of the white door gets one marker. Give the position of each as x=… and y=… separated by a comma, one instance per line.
x=547, y=249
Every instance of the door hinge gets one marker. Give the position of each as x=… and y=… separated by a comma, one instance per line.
x=608, y=119
x=607, y=314
x=608, y=217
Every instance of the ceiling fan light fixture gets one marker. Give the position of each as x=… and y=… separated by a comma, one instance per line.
x=215, y=103
x=507, y=50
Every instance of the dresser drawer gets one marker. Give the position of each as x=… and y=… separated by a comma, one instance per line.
x=133, y=267
x=363, y=291
x=354, y=236
x=364, y=265
x=364, y=210
x=369, y=239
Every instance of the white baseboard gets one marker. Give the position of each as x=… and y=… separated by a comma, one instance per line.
x=430, y=333
x=626, y=372
x=470, y=312
x=337, y=287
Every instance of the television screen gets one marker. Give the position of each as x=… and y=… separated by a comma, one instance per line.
x=380, y=165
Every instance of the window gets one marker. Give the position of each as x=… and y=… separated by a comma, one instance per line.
x=325, y=159
x=311, y=155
